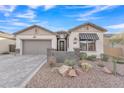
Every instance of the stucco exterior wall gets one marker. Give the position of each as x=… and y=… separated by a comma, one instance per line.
x=39, y=31
x=40, y=34
x=99, y=43
x=4, y=44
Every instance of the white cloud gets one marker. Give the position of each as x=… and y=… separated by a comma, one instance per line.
x=48, y=7
x=117, y=26
x=19, y=24
x=88, y=15
x=96, y=10
x=14, y=22
x=87, y=18
x=79, y=6
x=34, y=6
x=45, y=7
x=29, y=14
x=7, y=9
x=8, y=29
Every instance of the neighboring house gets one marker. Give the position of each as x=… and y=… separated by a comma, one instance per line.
x=118, y=48
x=35, y=39
x=6, y=42
x=107, y=42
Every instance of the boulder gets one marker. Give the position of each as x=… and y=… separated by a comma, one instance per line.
x=63, y=70
x=78, y=71
x=72, y=73
x=106, y=70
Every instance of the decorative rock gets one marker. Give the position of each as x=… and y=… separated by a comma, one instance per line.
x=54, y=69
x=78, y=71
x=100, y=65
x=72, y=73
x=106, y=70
x=64, y=69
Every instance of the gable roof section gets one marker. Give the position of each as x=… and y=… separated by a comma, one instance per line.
x=62, y=32
x=91, y=24
x=33, y=26
x=6, y=35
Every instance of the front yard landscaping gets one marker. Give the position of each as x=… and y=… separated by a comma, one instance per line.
x=87, y=73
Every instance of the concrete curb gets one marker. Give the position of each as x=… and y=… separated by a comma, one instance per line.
x=30, y=76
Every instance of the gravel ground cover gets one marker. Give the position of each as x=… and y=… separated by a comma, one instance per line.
x=96, y=78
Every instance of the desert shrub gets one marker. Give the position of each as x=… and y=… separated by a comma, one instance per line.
x=83, y=56
x=91, y=58
x=86, y=66
x=70, y=62
x=120, y=60
x=104, y=57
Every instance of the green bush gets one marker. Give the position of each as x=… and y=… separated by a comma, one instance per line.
x=70, y=62
x=86, y=67
x=104, y=57
x=91, y=58
x=83, y=56
x=120, y=60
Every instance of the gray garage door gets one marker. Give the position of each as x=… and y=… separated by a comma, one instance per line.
x=36, y=47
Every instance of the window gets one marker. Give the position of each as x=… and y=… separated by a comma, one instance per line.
x=88, y=45
x=91, y=46
x=61, y=45
x=83, y=46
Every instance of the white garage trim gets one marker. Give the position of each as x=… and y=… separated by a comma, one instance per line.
x=20, y=38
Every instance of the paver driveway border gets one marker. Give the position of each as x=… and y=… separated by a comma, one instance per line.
x=33, y=73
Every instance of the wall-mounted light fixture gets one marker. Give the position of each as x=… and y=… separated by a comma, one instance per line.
x=75, y=40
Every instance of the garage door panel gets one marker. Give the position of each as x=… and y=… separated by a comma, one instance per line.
x=34, y=47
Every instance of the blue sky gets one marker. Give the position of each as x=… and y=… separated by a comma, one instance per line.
x=60, y=17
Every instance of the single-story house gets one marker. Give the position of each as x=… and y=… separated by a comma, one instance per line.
x=35, y=39
x=7, y=41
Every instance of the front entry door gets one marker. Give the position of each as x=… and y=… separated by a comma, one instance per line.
x=61, y=45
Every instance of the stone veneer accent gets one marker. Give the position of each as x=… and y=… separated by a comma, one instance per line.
x=62, y=55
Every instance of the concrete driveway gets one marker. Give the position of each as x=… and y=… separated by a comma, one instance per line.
x=16, y=71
